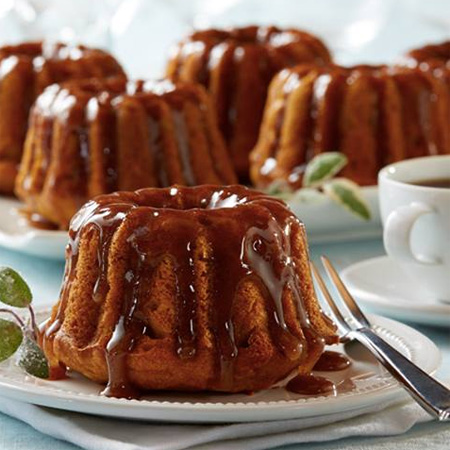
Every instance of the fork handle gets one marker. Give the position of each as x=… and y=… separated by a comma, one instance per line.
x=429, y=393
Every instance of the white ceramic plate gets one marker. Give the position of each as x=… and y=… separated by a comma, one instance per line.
x=362, y=385
x=325, y=222
x=17, y=234
x=328, y=222
x=381, y=285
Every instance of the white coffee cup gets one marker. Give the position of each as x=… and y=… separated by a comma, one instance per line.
x=416, y=221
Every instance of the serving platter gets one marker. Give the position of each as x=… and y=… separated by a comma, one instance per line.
x=325, y=222
x=364, y=384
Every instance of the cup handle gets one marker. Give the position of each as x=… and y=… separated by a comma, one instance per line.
x=397, y=232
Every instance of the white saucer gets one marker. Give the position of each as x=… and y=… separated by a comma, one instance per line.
x=365, y=384
x=380, y=284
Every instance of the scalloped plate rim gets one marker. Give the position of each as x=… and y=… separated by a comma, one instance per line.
x=201, y=412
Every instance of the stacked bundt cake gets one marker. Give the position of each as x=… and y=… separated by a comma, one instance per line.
x=186, y=288
x=373, y=114
x=236, y=66
x=25, y=70
x=92, y=137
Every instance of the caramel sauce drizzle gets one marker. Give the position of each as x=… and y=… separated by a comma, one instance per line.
x=311, y=384
x=254, y=242
x=331, y=361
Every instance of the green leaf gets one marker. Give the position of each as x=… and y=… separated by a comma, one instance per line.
x=14, y=291
x=32, y=359
x=323, y=167
x=348, y=194
x=10, y=338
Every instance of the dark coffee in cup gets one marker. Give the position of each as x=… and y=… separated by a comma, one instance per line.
x=435, y=183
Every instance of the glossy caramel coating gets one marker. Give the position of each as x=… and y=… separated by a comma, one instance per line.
x=25, y=71
x=432, y=57
x=236, y=66
x=375, y=115
x=434, y=54
x=202, y=288
x=92, y=137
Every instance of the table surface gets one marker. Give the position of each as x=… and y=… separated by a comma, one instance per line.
x=44, y=277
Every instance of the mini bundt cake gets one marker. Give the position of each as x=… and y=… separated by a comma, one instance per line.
x=373, y=114
x=25, y=70
x=186, y=288
x=236, y=66
x=93, y=137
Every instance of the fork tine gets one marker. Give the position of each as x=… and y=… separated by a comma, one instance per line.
x=349, y=302
x=338, y=318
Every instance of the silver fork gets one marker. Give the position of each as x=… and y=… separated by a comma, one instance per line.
x=429, y=393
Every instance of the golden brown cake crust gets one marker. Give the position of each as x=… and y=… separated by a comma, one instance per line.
x=236, y=66
x=203, y=288
x=92, y=137
x=25, y=70
x=373, y=114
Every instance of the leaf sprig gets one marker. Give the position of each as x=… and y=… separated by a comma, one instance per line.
x=319, y=175
x=17, y=336
x=323, y=167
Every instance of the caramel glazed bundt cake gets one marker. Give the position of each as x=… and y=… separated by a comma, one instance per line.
x=373, y=114
x=25, y=70
x=186, y=288
x=92, y=137
x=236, y=66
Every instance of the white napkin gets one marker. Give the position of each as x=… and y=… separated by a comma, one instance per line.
x=96, y=433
